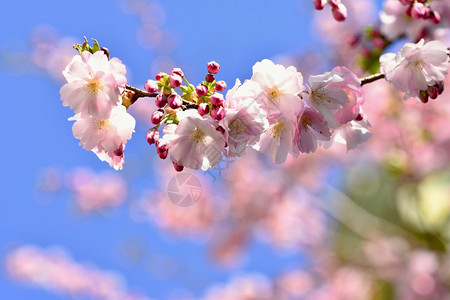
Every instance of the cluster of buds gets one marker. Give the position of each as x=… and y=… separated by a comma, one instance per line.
x=204, y=98
x=420, y=9
x=370, y=45
x=337, y=8
x=432, y=92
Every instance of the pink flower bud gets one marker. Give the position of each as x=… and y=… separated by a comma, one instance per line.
x=160, y=76
x=152, y=136
x=157, y=116
x=218, y=113
x=151, y=86
x=213, y=67
x=162, y=149
x=203, y=109
x=177, y=71
x=419, y=11
x=201, y=90
x=408, y=11
x=221, y=85
x=209, y=78
x=177, y=167
x=339, y=12
x=160, y=100
x=174, y=101
x=440, y=87
x=406, y=2
x=319, y=4
x=175, y=80
x=435, y=17
x=423, y=96
x=334, y=3
x=378, y=42
x=354, y=40
x=216, y=99
x=433, y=92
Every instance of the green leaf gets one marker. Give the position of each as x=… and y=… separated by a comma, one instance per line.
x=96, y=46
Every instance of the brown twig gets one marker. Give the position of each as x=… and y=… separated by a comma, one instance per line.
x=371, y=78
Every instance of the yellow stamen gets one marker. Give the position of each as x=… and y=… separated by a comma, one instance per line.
x=198, y=136
x=101, y=124
x=278, y=130
x=94, y=85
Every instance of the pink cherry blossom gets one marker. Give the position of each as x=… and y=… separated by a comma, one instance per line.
x=352, y=86
x=53, y=269
x=278, y=140
x=94, y=84
x=194, y=143
x=115, y=161
x=416, y=66
x=244, y=122
x=104, y=134
x=97, y=192
x=326, y=95
x=352, y=134
x=311, y=127
x=279, y=87
x=395, y=22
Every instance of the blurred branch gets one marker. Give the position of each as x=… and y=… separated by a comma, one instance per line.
x=357, y=219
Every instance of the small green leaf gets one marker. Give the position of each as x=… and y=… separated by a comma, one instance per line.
x=96, y=46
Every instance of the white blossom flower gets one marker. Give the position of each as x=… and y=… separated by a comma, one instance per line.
x=194, y=143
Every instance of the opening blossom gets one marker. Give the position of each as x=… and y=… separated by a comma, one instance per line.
x=279, y=86
x=326, y=95
x=104, y=135
x=416, y=66
x=244, y=122
x=94, y=84
x=194, y=143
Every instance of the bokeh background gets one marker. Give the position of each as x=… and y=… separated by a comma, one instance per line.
x=368, y=224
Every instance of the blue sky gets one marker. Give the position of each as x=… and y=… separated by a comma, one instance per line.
x=36, y=133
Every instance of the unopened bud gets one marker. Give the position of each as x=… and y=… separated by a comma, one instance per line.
x=160, y=76
x=419, y=11
x=433, y=91
x=216, y=99
x=319, y=4
x=201, y=90
x=218, y=113
x=209, y=78
x=221, y=85
x=177, y=167
x=157, y=116
x=151, y=86
x=339, y=12
x=213, y=67
x=160, y=100
x=435, y=17
x=152, y=136
x=174, y=101
x=162, y=149
x=203, y=109
x=175, y=80
x=440, y=87
x=334, y=3
x=423, y=96
x=177, y=71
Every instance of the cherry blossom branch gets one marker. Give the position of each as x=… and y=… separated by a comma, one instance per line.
x=139, y=93
x=372, y=78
